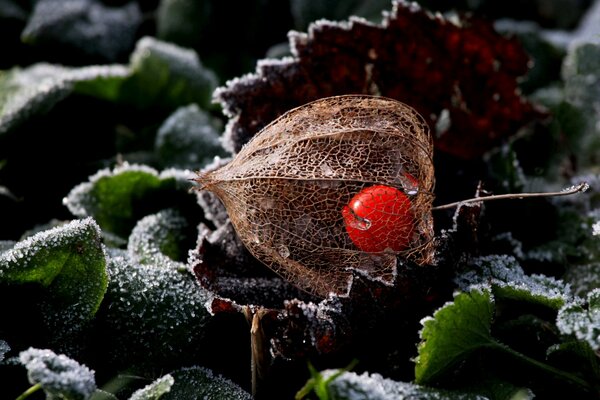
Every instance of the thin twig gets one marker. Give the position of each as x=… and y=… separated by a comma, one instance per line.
x=582, y=187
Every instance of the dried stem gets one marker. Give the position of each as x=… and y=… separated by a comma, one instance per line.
x=582, y=187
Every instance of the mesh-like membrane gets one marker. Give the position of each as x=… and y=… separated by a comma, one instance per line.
x=286, y=189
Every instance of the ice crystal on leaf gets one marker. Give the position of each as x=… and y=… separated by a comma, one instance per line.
x=86, y=27
x=352, y=386
x=4, y=348
x=152, y=312
x=189, y=138
x=198, y=382
x=509, y=280
x=156, y=239
x=118, y=198
x=155, y=390
x=59, y=376
x=69, y=262
x=582, y=320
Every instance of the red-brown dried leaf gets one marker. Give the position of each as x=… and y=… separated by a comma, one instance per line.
x=424, y=60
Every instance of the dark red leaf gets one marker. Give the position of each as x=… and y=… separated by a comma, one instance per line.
x=424, y=60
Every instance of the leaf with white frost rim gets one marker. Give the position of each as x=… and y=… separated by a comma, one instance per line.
x=68, y=261
x=155, y=390
x=58, y=375
x=351, y=386
x=118, y=198
x=582, y=321
x=455, y=331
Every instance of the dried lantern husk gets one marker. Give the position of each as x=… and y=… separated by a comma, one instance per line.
x=286, y=188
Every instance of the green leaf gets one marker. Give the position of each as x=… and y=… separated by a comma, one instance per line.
x=160, y=75
x=351, y=386
x=26, y=93
x=509, y=281
x=201, y=383
x=152, y=316
x=117, y=199
x=189, y=138
x=454, y=333
x=158, y=239
x=69, y=262
x=168, y=76
x=582, y=320
x=59, y=376
x=576, y=355
x=86, y=29
x=583, y=278
x=155, y=390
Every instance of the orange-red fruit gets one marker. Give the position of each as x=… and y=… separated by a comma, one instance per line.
x=379, y=218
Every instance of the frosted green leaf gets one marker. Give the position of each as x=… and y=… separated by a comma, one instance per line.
x=201, y=383
x=85, y=27
x=152, y=314
x=117, y=199
x=189, y=138
x=167, y=75
x=157, y=239
x=26, y=93
x=160, y=75
x=582, y=320
x=69, y=262
x=4, y=348
x=508, y=280
x=155, y=390
x=583, y=278
x=59, y=376
x=456, y=331
x=351, y=386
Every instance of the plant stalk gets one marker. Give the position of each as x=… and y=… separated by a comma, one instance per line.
x=582, y=187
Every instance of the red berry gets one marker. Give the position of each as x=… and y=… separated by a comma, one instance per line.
x=379, y=218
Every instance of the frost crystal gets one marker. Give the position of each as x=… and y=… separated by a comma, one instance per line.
x=4, y=348
x=504, y=272
x=582, y=321
x=155, y=390
x=59, y=376
x=154, y=312
x=596, y=228
x=155, y=239
x=349, y=385
x=202, y=383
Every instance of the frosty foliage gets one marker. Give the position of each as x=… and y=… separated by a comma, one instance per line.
x=87, y=27
x=4, y=348
x=201, y=383
x=180, y=78
x=36, y=89
x=118, y=198
x=188, y=139
x=156, y=238
x=352, y=386
x=69, y=261
x=582, y=320
x=59, y=376
x=583, y=278
x=286, y=189
x=155, y=390
x=504, y=273
x=153, y=312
